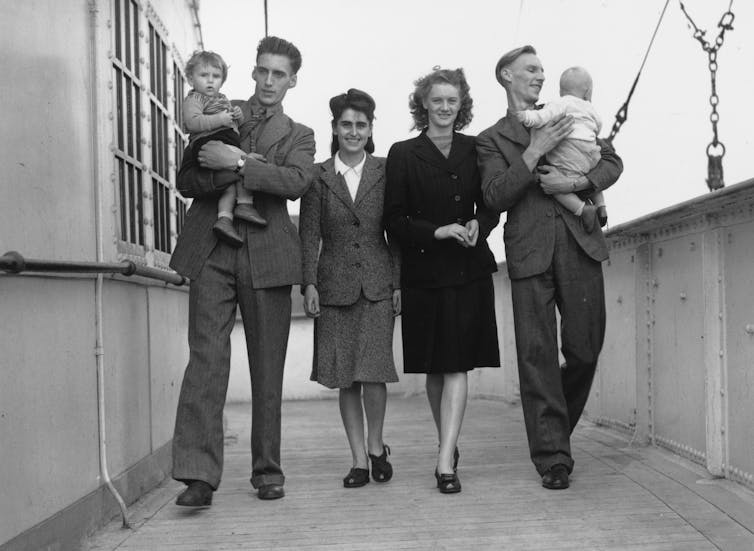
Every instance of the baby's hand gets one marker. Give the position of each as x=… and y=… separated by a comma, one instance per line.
x=226, y=119
x=237, y=114
x=521, y=116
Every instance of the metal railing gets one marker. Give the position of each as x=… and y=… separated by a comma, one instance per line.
x=14, y=263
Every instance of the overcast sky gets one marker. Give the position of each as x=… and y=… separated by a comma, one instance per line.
x=383, y=46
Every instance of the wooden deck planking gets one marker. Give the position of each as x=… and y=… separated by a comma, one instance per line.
x=621, y=497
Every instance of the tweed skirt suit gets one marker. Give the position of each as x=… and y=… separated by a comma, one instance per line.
x=347, y=258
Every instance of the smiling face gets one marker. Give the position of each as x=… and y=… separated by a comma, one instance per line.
x=352, y=129
x=273, y=76
x=442, y=104
x=206, y=79
x=524, y=78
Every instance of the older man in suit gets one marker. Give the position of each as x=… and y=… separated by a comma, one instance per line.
x=552, y=262
x=275, y=164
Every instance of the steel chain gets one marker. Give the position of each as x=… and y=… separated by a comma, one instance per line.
x=714, y=161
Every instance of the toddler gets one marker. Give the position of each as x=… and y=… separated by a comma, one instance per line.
x=209, y=115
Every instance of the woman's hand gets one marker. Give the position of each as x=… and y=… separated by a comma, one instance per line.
x=472, y=232
x=311, y=301
x=453, y=231
x=396, y=302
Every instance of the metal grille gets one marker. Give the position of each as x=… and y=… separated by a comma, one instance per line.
x=180, y=141
x=128, y=116
x=148, y=107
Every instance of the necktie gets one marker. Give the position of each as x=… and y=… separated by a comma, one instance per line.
x=249, y=129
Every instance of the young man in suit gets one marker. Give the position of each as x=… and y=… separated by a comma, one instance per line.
x=552, y=261
x=275, y=163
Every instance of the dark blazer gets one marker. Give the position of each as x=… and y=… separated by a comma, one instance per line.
x=274, y=250
x=509, y=186
x=425, y=191
x=354, y=256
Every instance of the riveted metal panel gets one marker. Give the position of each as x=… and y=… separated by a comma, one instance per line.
x=613, y=397
x=739, y=315
x=678, y=345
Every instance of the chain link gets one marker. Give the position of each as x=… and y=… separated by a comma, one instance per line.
x=714, y=164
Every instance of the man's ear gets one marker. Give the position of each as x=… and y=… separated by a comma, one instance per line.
x=505, y=74
x=293, y=81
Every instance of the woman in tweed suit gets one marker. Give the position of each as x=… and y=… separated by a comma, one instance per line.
x=351, y=282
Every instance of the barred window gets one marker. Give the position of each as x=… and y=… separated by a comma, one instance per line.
x=128, y=152
x=180, y=140
x=148, y=142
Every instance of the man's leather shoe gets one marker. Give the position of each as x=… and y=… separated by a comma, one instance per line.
x=556, y=477
x=198, y=494
x=271, y=491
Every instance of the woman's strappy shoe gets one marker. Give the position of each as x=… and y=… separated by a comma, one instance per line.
x=356, y=478
x=448, y=483
x=382, y=470
x=456, y=457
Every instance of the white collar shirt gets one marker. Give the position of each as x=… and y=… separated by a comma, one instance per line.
x=351, y=174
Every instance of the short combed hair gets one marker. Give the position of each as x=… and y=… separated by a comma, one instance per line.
x=205, y=57
x=279, y=46
x=509, y=58
x=359, y=101
x=423, y=86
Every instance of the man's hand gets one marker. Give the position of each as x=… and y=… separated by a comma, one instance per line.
x=216, y=155
x=544, y=140
x=552, y=181
x=472, y=232
x=226, y=118
x=311, y=301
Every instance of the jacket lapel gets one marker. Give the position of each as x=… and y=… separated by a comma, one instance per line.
x=336, y=184
x=512, y=129
x=369, y=178
x=426, y=150
x=275, y=129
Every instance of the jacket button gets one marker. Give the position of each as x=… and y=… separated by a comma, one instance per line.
x=356, y=223
x=454, y=176
x=457, y=198
x=358, y=264
x=459, y=221
x=355, y=245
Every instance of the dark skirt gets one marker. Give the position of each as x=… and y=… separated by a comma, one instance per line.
x=354, y=344
x=450, y=329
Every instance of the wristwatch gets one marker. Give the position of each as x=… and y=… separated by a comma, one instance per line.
x=240, y=164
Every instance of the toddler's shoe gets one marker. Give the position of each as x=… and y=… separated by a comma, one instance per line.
x=225, y=231
x=602, y=215
x=589, y=217
x=248, y=213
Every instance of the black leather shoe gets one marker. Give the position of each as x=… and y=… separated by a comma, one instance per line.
x=198, y=494
x=225, y=231
x=271, y=491
x=382, y=470
x=556, y=477
x=356, y=478
x=448, y=483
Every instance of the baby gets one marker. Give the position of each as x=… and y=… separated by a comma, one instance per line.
x=209, y=115
x=578, y=153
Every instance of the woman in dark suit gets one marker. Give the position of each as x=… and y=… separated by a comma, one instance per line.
x=351, y=282
x=434, y=210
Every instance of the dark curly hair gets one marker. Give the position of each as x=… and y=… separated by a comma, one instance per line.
x=423, y=85
x=357, y=100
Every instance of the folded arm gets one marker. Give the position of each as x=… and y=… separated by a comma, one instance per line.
x=195, y=181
